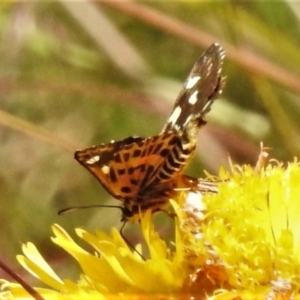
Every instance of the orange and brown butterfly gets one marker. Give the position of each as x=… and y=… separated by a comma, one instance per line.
x=144, y=173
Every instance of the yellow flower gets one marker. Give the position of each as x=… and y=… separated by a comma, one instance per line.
x=240, y=243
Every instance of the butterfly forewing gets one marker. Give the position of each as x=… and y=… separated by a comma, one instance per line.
x=106, y=163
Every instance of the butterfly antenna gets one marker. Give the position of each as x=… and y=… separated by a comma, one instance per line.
x=72, y=208
x=128, y=242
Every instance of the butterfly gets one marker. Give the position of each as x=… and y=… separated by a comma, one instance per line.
x=144, y=173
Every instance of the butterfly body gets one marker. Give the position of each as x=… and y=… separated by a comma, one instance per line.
x=144, y=173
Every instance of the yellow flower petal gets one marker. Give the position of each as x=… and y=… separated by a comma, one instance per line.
x=34, y=263
x=157, y=247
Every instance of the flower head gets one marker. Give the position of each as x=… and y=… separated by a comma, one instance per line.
x=242, y=242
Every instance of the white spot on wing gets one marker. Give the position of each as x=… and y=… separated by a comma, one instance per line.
x=206, y=106
x=187, y=145
x=192, y=81
x=176, y=113
x=105, y=169
x=210, y=66
x=176, y=127
x=193, y=98
x=93, y=160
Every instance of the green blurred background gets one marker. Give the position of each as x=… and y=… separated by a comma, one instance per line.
x=74, y=74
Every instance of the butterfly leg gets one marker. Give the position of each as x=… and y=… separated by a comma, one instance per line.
x=199, y=185
x=128, y=242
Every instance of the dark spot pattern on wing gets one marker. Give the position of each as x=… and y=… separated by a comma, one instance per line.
x=126, y=189
x=121, y=171
x=137, y=153
x=113, y=175
x=126, y=156
x=164, y=152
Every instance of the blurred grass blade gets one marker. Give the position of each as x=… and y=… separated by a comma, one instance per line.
x=287, y=130
x=108, y=37
x=35, y=131
x=241, y=56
